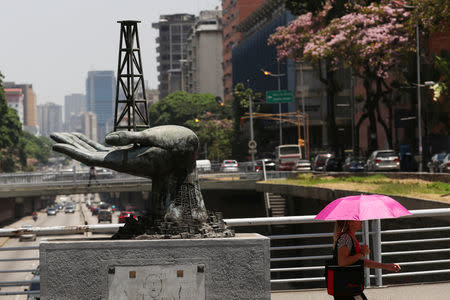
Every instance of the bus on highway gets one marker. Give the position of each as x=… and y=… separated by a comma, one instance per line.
x=286, y=156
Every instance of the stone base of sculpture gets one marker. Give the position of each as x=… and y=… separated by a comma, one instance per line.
x=151, y=227
x=207, y=268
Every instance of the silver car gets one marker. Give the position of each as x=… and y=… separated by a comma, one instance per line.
x=383, y=160
x=229, y=165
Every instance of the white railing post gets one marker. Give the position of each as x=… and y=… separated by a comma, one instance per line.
x=366, y=240
x=376, y=224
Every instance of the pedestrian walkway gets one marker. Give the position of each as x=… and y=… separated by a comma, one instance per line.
x=426, y=291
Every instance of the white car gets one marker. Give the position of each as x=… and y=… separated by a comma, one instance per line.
x=383, y=160
x=445, y=165
x=229, y=165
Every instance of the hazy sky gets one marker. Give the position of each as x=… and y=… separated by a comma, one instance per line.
x=52, y=44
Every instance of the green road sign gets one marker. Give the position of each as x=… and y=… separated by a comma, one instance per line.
x=279, y=96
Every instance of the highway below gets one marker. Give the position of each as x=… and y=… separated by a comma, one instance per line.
x=79, y=217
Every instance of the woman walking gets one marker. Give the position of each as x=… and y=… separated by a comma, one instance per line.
x=348, y=251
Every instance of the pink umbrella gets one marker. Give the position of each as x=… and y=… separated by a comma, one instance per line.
x=362, y=207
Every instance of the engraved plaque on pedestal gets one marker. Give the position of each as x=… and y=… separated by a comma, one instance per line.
x=157, y=282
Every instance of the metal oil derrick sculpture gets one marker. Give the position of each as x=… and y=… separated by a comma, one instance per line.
x=166, y=154
x=130, y=77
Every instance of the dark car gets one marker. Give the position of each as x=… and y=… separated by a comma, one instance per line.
x=268, y=162
x=104, y=215
x=319, y=161
x=333, y=164
x=354, y=164
x=95, y=211
x=124, y=215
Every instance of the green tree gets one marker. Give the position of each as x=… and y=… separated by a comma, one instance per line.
x=31, y=146
x=200, y=112
x=10, y=131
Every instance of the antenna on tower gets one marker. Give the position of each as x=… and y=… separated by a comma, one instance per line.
x=131, y=103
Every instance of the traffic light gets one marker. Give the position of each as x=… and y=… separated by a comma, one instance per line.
x=196, y=120
x=301, y=142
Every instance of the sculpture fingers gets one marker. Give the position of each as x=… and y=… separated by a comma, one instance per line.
x=70, y=139
x=82, y=155
x=93, y=144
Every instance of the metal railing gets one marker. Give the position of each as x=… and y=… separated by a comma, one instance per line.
x=112, y=177
x=290, y=266
x=16, y=283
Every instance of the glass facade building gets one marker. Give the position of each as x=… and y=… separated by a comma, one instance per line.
x=100, y=94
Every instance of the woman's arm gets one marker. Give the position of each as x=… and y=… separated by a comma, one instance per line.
x=345, y=259
x=389, y=267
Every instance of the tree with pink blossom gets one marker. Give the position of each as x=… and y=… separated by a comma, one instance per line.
x=371, y=40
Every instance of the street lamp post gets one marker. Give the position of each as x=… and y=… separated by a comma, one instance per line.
x=278, y=76
x=279, y=105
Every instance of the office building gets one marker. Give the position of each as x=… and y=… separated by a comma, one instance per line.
x=88, y=122
x=74, y=104
x=29, y=105
x=49, y=118
x=234, y=12
x=14, y=99
x=173, y=33
x=100, y=97
x=202, y=69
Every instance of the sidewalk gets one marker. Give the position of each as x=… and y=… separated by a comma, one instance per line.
x=434, y=291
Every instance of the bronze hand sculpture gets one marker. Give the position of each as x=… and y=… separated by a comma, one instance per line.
x=166, y=154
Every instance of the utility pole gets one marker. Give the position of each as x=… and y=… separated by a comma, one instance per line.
x=303, y=109
x=419, y=100
x=252, y=138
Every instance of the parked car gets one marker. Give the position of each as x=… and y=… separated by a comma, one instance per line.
x=302, y=165
x=104, y=215
x=203, y=165
x=70, y=209
x=445, y=165
x=319, y=161
x=383, y=160
x=124, y=215
x=333, y=164
x=268, y=162
x=354, y=164
x=435, y=162
x=51, y=211
x=229, y=165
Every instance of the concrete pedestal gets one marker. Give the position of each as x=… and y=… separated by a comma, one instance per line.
x=220, y=268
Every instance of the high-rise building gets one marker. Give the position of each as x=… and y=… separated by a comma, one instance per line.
x=49, y=118
x=100, y=95
x=173, y=33
x=234, y=12
x=89, y=125
x=29, y=105
x=202, y=69
x=74, y=104
x=14, y=98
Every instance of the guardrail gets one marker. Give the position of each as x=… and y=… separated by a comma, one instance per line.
x=289, y=266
